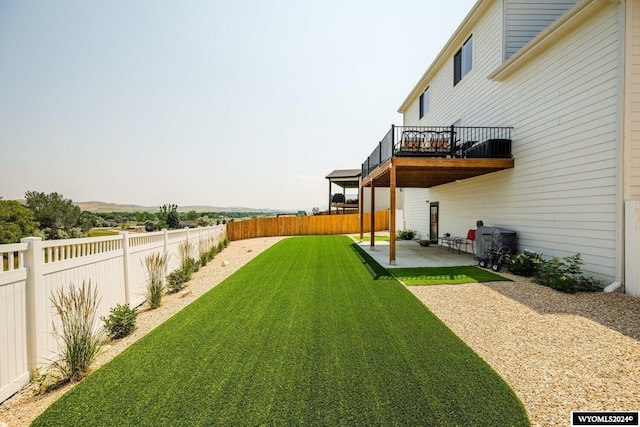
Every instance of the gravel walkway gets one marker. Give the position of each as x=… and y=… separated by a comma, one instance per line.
x=558, y=352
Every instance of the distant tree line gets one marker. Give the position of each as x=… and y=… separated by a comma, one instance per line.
x=51, y=216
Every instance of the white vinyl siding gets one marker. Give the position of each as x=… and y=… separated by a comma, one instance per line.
x=525, y=19
x=383, y=199
x=561, y=196
x=633, y=185
x=416, y=211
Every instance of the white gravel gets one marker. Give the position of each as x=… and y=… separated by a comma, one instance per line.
x=559, y=352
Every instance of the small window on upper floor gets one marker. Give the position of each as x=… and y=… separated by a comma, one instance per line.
x=463, y=61
x=424, y=103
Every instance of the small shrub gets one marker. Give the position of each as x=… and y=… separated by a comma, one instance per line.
x=176, y=281
x=565, y=275
x=79, y=338
x=187, y=263
x=406, y=234
x=121, y=321
x=204, y=259
x=212, y=253
x=203, y=252
x=524, y=264
x=155, y=264
x=564, y=284
x=193, y=265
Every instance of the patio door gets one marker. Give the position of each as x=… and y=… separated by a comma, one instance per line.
x=433, y=222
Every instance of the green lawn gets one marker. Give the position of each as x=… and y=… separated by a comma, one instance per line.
x=366, y=237
x=445, y=275
x=303, y=334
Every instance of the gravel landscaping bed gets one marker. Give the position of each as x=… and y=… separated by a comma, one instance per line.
x=559, y=352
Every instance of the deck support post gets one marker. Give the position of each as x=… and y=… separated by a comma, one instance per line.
x=361, y=211
x=330, y=199
x=373, y=214
x=392, y=216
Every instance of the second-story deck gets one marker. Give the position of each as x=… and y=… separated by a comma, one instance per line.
x=426, y=156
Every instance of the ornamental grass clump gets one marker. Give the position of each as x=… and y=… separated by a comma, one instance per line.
x=156, y=265
x=187, y=263
x=79, y=336
x=203, y=252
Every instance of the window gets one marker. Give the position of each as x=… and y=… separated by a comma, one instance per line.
x=463, y=61
x=424, y=103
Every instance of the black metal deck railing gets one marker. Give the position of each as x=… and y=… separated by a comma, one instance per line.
x=440, y=141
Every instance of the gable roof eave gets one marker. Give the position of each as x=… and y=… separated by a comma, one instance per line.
x=567, y=22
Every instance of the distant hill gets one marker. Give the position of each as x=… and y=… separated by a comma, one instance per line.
x=115, y=207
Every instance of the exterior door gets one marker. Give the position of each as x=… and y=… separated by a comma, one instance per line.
x=433, y=222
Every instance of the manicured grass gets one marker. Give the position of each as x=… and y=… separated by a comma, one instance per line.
x=367, y=238
x=302, y=335
x=445, y=275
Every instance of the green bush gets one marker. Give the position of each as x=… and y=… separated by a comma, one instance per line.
x=565, y=275
x=192, y=265
x=212, y=253
x=406, y=234
x=121, y=321
x=79, y=340
x=203, y=256
x=176, y=281
x=187, y=263
x=525, y=263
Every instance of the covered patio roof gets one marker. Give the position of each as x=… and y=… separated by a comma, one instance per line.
x=425, y=172
x=422, y=172
x=344, y=178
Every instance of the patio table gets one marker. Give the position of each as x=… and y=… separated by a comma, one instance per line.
x=451, y=242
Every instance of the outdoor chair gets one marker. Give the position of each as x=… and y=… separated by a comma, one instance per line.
x=469, y=240
x=412, y=140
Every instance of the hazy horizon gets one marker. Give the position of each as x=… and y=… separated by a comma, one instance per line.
x=246, y=103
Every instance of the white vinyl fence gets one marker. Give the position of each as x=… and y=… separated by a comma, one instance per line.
x=30, y=271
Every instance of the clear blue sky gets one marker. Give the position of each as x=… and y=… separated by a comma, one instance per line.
x=227, y=103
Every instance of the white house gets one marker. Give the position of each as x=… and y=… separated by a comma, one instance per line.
x=528, y=119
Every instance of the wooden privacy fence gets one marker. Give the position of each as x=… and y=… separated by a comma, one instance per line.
x=305, y=225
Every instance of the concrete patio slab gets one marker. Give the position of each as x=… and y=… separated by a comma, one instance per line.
x=410, y=254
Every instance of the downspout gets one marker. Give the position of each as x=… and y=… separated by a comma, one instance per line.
x=613, y=286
